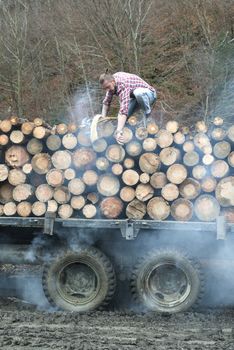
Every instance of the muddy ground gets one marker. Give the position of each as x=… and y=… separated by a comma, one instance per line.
x=24, y=326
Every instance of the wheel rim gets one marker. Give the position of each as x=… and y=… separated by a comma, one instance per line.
x=166, y=285
x=78, y=282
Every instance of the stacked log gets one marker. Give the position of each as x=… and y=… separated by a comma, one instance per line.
x=170, y=173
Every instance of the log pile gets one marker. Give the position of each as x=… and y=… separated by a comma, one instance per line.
x=168, y=173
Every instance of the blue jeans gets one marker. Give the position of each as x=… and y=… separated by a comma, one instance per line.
x=144, y=98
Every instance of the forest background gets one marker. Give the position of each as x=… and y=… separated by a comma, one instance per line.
x=53, y=51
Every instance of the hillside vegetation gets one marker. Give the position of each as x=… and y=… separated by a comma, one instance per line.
x=53, y=50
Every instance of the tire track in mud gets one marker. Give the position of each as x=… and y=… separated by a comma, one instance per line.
x=24, y=327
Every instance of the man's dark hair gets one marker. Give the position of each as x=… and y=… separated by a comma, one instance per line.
x=105, y=77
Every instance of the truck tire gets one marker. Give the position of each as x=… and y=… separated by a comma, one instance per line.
x=167, y=281
x=79, y=281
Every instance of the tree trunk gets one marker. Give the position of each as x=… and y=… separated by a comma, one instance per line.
x=55, y=177
x=53, y=142
x=170, y=192
x=169, y=155
x=65, y=211
x=62, y=194
x=152, y=128
x=41, y=163
x=230, y=133
x=130, y=177
x=6, y=192
x=199, y=172
x=191, y=158
x=27, y=168
x=164, y=138
x=44, y=193
x=117, y=169
x=38, y=208
x=40, y=132
x=102, y=164
x=61, y=129
x=128, y=163
x=219, y=169
x=108, y=185
x=4, y=139
x=4, y=172
x=182, y=209
x=134, y=148
x=218, y=134
x=206, y=208
x=144, y=178
x=16, y=177
x=141, y=133
x=5, y=125
x=158, y=208
x=176, y=173
x=90, y=177
x=188, y=146
x=69, y=174
x=69, y=141
x=9, y=209
x=127, y=193
x=100, y=145
x=225, y=191
x=190, y=188
x=149, y=144
x=22, y=192
x=61, y=160
x=24, y=209
x=111, y=207
x=83, y=137
x=77, y=202
x=34, y=146
x=27, y=128
x=179, y=138
x=16, y=136
x=222, y=149
x=16, y=156
x=115, y=153
x=76, y=186
x=208, y=184
x=158, y=180
x=144, y=192
x=83, y=158
x=231, y=159
x=149, y=163
x=172, y=126
x=89, y=211
x=136, y=210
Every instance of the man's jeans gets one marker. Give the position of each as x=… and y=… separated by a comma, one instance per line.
x=144, y=98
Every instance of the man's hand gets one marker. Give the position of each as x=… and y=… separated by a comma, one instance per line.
x=119, y=137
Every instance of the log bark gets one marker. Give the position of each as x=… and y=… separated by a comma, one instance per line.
x=89, y=211
x=53, y=142
x=176, y=173
x=77, y=202
x=225, y=191
x=6, y=192
x=111, y=207
x=22, y=192
x=69, y=141
x=191, y=159
x=55, y=177
x=16, y=156
x=115, y=153
x=219, y=169
x=134, y=148
x=38, y=208
x=208, y=184
x=199, y=172
x=4, y=172
x=24, y=209
x=69, y=174
x=182, y=209
x=164, y=138
x=9, y=209
x=41, y=163
x=149, y=163
x=100, y=145
x=136, y=210
x=117, y=169
x=130, y=177
x=144, y=192
x=170, y=192
x=206, y=208
x=61, y=159
x=102, y=164
x=149, y=144
x=34, y=146
x=83, y=158
x=169, y=155
x=62, y=194
x=27, y=128
x=108, y=185
x=127, y=193
x=158, y=180
x=158, y=208
x=190, y=188
x=65, y=211
x=172, y=126
x=16, y=177
x=222, y=149
x=90, y=177
x=76, y=186
x=44, y=193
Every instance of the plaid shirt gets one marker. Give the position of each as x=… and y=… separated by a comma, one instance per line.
x=126, y=83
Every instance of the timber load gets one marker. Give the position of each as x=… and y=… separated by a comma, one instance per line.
x=169, y=173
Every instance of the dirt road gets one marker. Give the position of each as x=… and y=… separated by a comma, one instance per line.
x=22, y=326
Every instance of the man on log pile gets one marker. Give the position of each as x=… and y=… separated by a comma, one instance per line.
x=133, y=92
